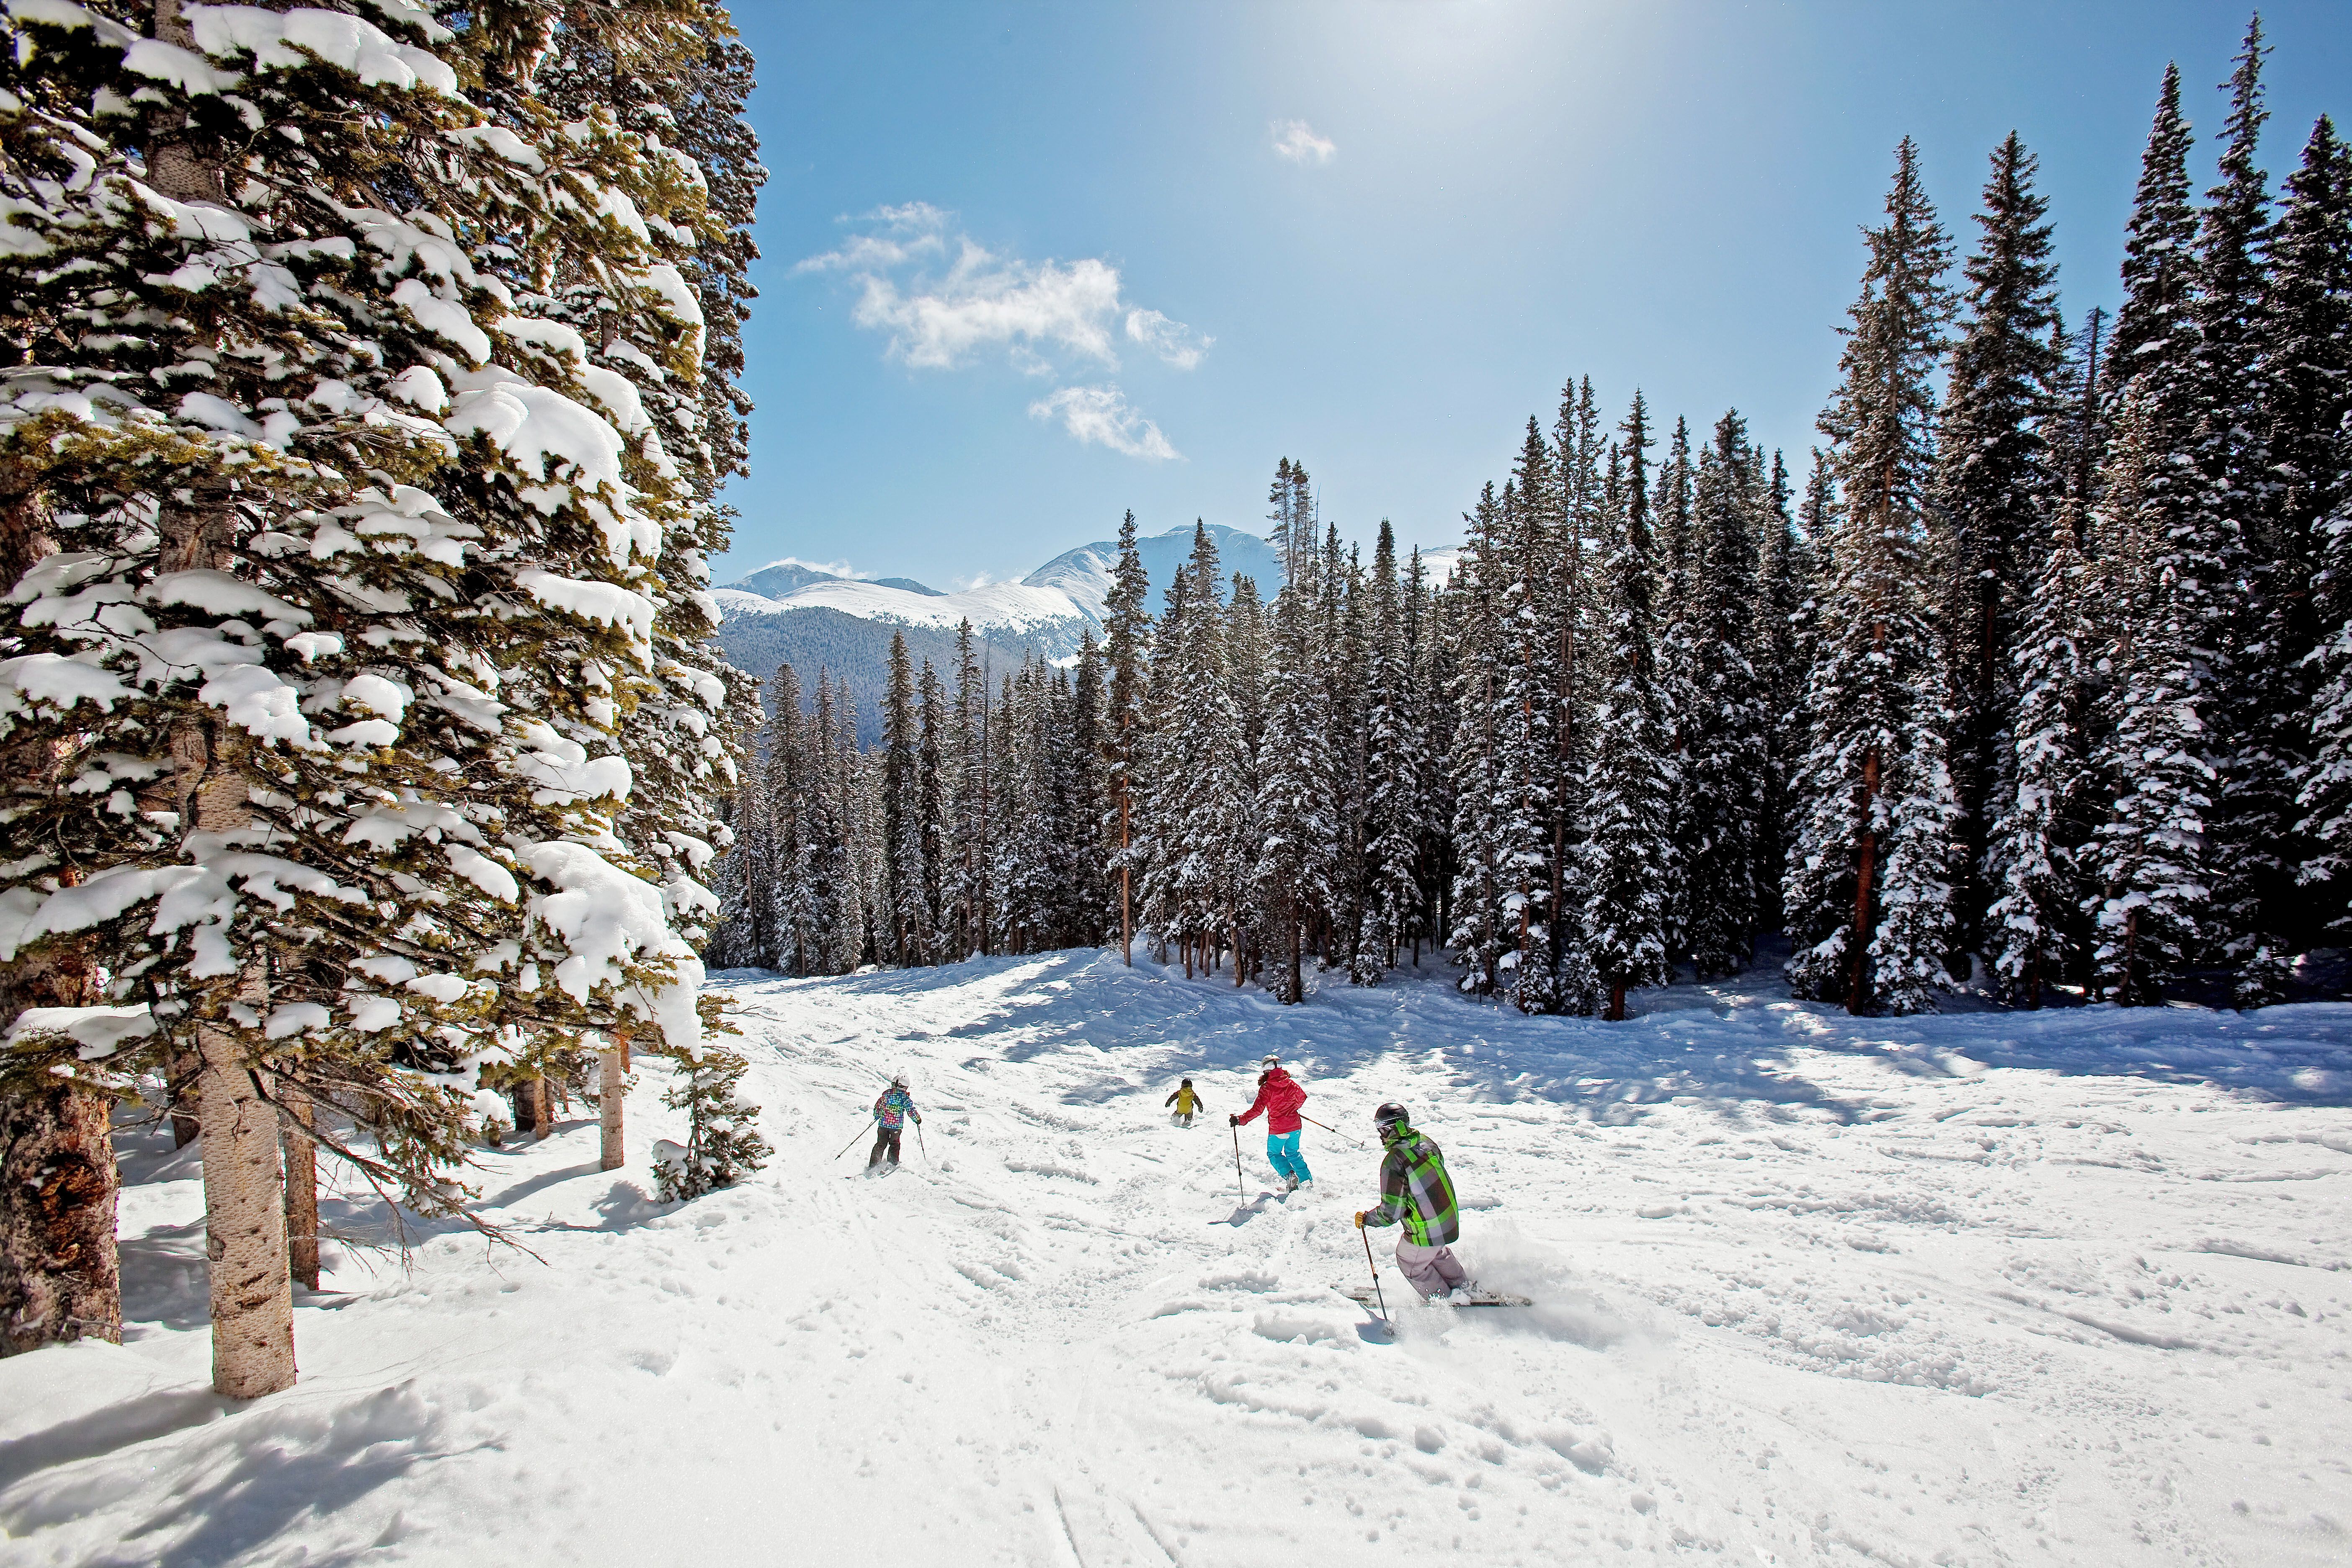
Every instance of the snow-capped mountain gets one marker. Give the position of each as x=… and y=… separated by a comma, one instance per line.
x=792, y=613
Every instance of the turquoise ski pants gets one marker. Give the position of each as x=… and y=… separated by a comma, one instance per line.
x=1282, y=1149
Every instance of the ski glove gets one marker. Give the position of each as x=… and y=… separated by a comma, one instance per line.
x=1360, y=1219
x=1232, y=1120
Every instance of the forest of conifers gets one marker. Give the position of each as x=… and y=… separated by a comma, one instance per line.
x=2038, y=673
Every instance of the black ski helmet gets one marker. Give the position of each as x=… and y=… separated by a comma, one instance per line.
x=1388, y=1116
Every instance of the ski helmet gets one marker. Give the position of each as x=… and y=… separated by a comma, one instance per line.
x=1390, y=1117
x=898, y=1080
x=1271, y=1061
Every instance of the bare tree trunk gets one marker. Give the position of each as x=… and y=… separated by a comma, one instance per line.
x=181, y=1072
x=612, y=1081
x=1866, y=876
x=59, y=1279
x=1616, y=1014
x=244, y=1224
x=301, y=1155
x=533, y=1112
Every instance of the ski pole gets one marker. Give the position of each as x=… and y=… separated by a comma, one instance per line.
x=1379, y=1294
x=1333, y=1130
x=1239, y=1185
x=925, y=1148
x=845, y=1148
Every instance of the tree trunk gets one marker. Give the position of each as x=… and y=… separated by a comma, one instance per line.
x=611, y=1079
x=301, y=1155
x=58, y=1280
x=1865, y=875
x=244, y=1224
x=1616, y=1014
x=1298, y=991
x=533, y=1114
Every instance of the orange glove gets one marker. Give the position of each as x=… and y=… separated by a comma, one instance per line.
x=1360, y=1219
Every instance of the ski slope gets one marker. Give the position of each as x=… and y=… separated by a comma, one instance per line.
x=1984, y=1288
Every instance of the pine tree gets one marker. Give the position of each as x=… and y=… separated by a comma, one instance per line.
x=1293, y=810
x=1395, y=767
x=970, y=848
x=1991, y=496
x=787, y=786
x=1784, y=575
x=1127, y=627
x=1089, y=903
x=1724, y=728
x=2034, y=931
x=1628, y=853
x=1874, y=791
x=722, y=1142
x=934, y=830
x=1479, y=932
x=2250, y=654
x=2152, y=850
x=1678, y=658
x=904, y=876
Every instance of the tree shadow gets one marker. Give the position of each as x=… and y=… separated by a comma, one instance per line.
x=273, y=1466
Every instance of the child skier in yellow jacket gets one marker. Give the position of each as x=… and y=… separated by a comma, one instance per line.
x=1186, y=1101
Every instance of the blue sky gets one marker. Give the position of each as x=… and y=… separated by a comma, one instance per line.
x=1029, y=265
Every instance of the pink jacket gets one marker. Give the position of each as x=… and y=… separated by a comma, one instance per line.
x=1280, y=1098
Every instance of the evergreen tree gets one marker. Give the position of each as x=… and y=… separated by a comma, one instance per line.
x=1875, y=789
x=2034, y=931
x=1083, y=831
x=1627, y=853
x=2154, y=759
x=934, y=830
x=971, y=848
x=722, y=1142
x=2248, y=687
x=1784, y=575
x=1724, y=728
x=1293, y=811
x=1991, y=495
x=1678, y=658
x=1126, y=626
x=1395, y=769
x=907, y=919
x=1480, y=930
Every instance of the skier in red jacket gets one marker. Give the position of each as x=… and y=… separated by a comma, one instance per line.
x=1280, y=1098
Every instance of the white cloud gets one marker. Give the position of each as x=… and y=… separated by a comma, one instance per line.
x=940, y=317
x=902, y=235
x=1296, y=140
x=1100, y=415
x=1174, y=342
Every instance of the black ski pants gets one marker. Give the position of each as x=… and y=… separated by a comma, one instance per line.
x=884, y=1138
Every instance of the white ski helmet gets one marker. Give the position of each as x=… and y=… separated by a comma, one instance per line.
x=898, y=1080
x=1271, y=1061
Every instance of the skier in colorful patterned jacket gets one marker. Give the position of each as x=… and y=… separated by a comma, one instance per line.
x=1416, y=1191
x=890, y=1113
x=1280, y=1098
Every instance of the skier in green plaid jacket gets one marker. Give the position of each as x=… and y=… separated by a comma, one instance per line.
x=1416, y=1191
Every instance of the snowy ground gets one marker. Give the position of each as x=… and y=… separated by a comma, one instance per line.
x=1983, y=1289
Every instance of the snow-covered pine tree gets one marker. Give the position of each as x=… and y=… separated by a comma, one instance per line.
x=722, y=1142
x=1578, y=448
x=931, y=787
x=2035, y=931
x=1088, y=898
x=1784, y=576
x=1394, y=767
x=835, y=902
x=1723, y=727
x=1876, y=685
x=2250, y=690
x=1127, y=630
x=422, y=704
x=2076, y=433
x=1293, y=809
x=907, y=917
x=1627, y=853
x=1677, y=669
x=1246, y=652
x=1025, y=848
x=786, y=785
x=1991, y=498
x=1428, y=644
x=1526, y=713
x=2307, y=387
x=1205, y=812
x=1480, y=931
x=971, y=849
x=1338, y=670
x=2154, y=758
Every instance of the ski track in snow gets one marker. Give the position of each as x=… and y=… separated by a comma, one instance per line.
x=1981, y=1288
